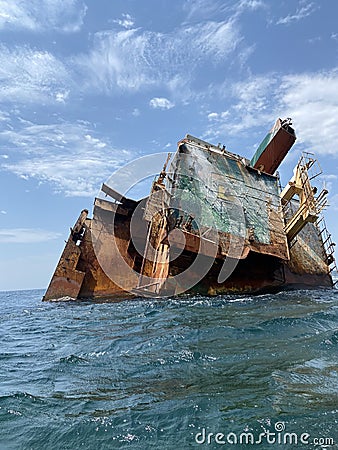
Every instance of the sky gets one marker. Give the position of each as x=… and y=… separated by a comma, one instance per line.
x=87, y=86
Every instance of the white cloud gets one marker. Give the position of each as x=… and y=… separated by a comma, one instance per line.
x=218, y=116
x=213, y=116
x=4, y=116
x=252, y=5
x=161, y=103
x=251, y=105
x=61, y=97
x=216, y=39
x=14, y=15
x=66, y=155
x=3, y=211
x=310, y=99
x=254, y=93
x=127, y=60
x=26, y=235
x=200, y=8
x=31, y=76
x=133, y=59
x=38, y=15
x=117, y=61
x=305, y=10
x=126, y=22
x=312, y=102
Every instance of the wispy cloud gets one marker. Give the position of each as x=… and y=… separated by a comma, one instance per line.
x=127, y=60
x=39, y=15
x=250, y=5
x=26, y=235
x=315, y=40
x=133, y=59
x=161, y=103
x=251, y=103
x=305, y=9
x=200, y=9
x=254, y=95
x=32, y=76
x=4, y=116
x=68, y=156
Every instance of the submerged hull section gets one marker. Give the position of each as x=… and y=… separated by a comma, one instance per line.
x=212, y=224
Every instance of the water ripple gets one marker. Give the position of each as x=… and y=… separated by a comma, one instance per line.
x=146, y=374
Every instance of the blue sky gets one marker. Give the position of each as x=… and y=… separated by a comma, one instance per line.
x=87, y=86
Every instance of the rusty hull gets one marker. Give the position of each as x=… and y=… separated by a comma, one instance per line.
x=78, y=273
x=266, y=258
x=80, y=276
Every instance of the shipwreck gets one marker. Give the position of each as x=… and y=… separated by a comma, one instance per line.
x=214, y=222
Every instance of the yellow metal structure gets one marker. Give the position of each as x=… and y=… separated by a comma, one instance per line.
x=309, y=206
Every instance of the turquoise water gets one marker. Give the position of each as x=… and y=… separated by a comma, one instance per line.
x=148, y=374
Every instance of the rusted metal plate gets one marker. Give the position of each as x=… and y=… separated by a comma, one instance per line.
x=273, y=148
x=63, y=286
x=110, y=207
x=67, y=280
x=128, y=202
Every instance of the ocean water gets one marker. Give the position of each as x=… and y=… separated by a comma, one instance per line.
x=193, y=372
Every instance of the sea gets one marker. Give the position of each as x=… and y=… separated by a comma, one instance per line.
x=228, y=372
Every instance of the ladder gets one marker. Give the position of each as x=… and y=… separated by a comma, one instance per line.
x=327, y=244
